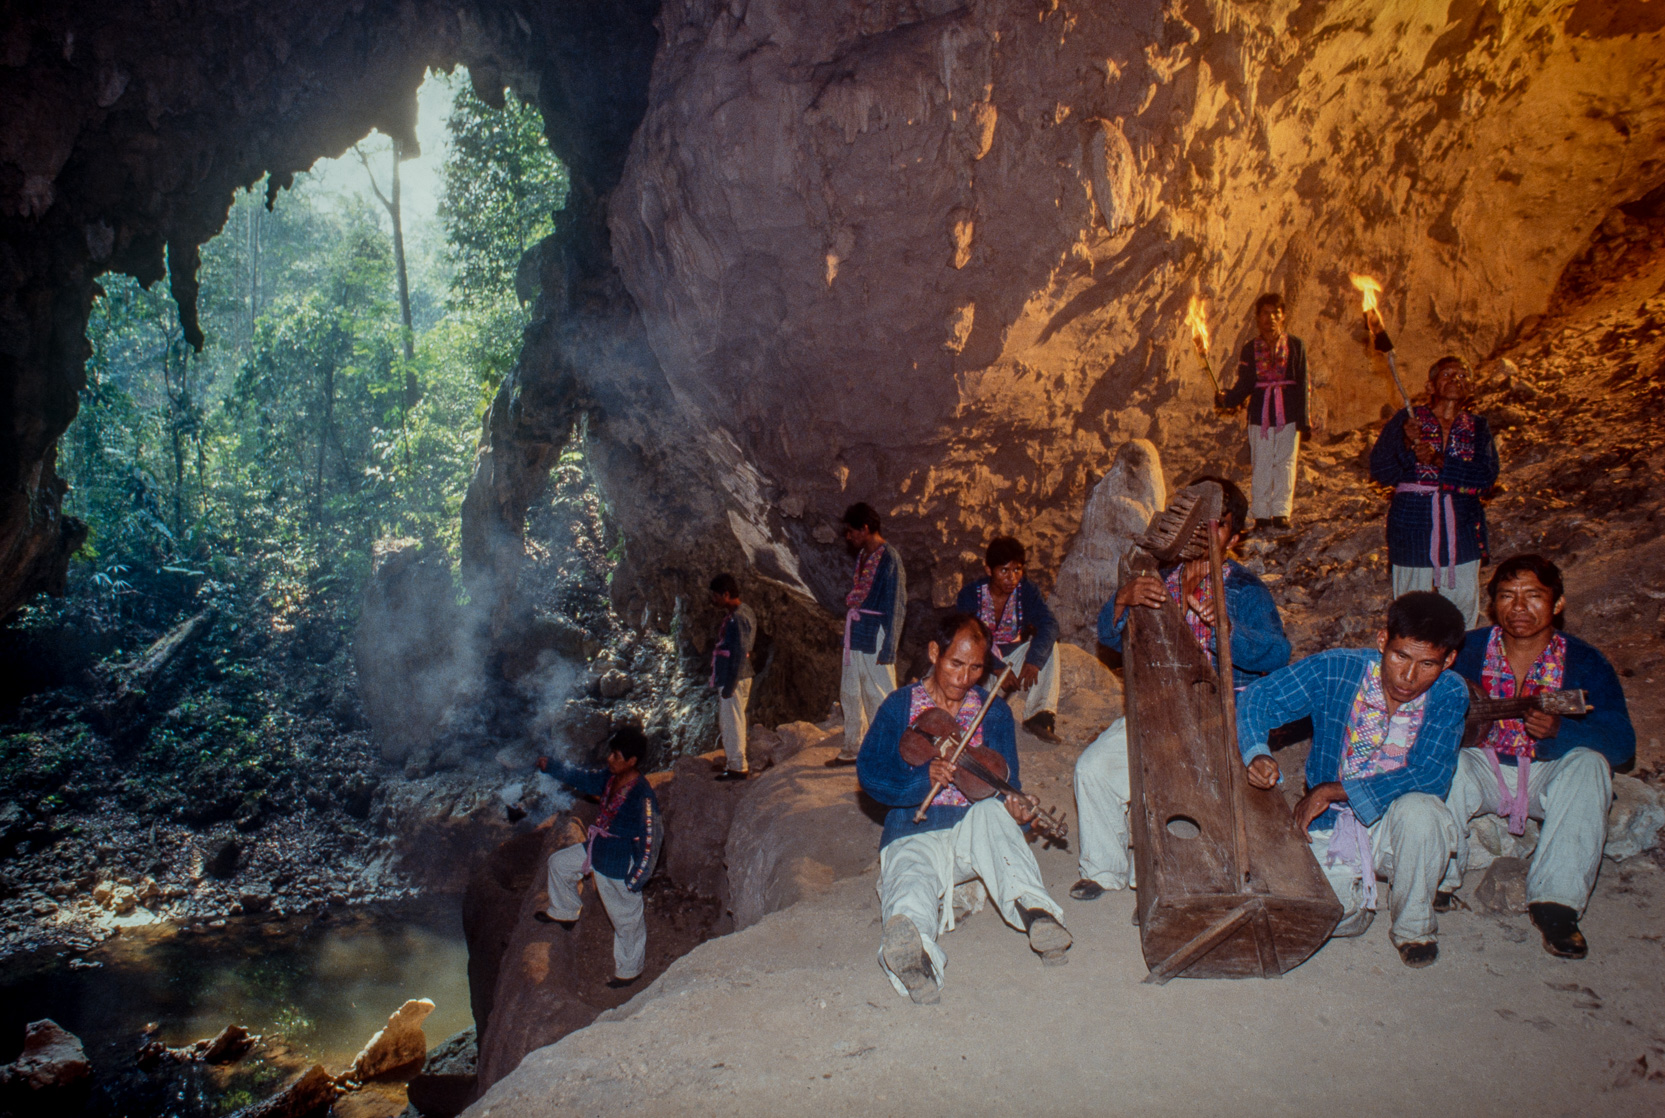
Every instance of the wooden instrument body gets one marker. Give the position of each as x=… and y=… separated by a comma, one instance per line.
x=1483, y=710
x=1242, y=896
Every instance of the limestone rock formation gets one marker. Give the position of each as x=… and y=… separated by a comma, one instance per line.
x=397, y=1046
x=1120, y=508
x=51, y=1066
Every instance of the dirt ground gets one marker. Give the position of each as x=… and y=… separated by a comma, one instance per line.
x=793, y=1016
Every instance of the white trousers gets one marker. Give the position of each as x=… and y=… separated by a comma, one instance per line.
x=1043, y=696
x=624, y=908
x=731, y=718
x=865, y=684
x=1272, y=459
x=1410, y=844
x=1466, y=595
x=1102, y=790
x=1569, y=795
x=918, y=874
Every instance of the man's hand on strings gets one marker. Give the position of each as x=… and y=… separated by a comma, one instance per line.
x=1541, y=724
x=1021, y=809
x=1146, y=590
x=941, y=771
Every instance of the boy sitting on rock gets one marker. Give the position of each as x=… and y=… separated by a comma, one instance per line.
x=620, y=850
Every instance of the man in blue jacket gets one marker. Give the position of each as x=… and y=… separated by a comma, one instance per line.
x=1272, y=378
x=1441, y=460
x=620, y=849
x=874, y=607
x=1258, y=646
x=1024, y=632
x=1386, y=726
x=1558, y=770
x=731, y=672
x=938, y=871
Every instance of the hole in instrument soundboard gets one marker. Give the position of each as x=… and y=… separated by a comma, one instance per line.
x=1205, y=683
x=1183, y=826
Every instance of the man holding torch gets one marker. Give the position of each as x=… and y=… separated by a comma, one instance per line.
x=1272, y=377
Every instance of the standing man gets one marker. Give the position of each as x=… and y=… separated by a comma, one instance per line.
x=620, y=850
x=1012, y=610
x=731, y=672
x=1558, y=770
x=872, y=626
x=932, y=873
x=1272, y=377
x=1386, y=725
x=1440, y=459
x=1258, y=646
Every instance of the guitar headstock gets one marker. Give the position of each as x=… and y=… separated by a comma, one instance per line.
x=1571, y=702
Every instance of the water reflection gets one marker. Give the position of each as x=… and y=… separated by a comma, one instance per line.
x=322, y=985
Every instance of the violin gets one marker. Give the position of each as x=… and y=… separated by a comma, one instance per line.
x=979, y=772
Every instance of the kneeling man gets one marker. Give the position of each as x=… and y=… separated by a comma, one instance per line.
x=1554, y=769
x=1386, y=727
x=1024, y=632
x=928, y=870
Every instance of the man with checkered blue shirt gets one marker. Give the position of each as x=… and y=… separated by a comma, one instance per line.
x=1386, y=727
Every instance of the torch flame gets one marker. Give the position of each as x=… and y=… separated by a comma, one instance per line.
x=1368, y=288
x=1195, y=319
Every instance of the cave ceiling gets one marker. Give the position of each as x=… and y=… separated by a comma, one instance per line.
x=934, y=255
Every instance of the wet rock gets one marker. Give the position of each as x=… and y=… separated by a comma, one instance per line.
x=1503, y=889
x=446, y=1084
x=399, y=1045
x=614, y=684
x=231, y=1045
x=255, y=902
x=49, y=1075
x=221, y=860
x=1635, y=819
x=309, y=1094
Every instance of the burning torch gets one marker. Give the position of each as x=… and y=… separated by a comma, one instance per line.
x=1195, y=319
x=1375, y=331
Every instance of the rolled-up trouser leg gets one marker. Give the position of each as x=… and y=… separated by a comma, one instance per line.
x=566, y=870
x=1101, y=795
x=1473, y=791
x=1412, y=843
x=915, y=878
x=1572, y=793
x=1043, y=696
x=625, y=910
x=731, y=718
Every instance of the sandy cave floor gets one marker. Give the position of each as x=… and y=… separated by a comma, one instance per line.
x=793, y=1016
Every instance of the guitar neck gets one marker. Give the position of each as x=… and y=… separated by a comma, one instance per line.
x=1556, y=702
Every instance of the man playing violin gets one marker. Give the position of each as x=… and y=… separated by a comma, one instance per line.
x=1556, y=770
x=1024, y=631
x=1258, y=646
x=933, y=872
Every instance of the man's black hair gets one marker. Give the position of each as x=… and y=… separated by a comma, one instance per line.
x=629, y=741
x=862, y=515
x=1270, y=299
x=951, y=624
x=1003, y=550
x=726, y=584
x=1423, y=615
x=1547, y=573
x=1234, y=506
x=1449, y=359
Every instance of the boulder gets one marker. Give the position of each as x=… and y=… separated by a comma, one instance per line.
x=800, y=828
x=698, y=810
x=1503, y=889
x=445, y=1085
x=1635, y=818
x=398, y=1046
x=1119, y=509
x=1089, y=695
x=1489, y=839
x=614, y=684
x=795, y=737
x=231, y=1045
x=52, y=1065
x=308, y=1095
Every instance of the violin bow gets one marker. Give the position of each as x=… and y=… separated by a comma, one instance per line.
x=964, y=739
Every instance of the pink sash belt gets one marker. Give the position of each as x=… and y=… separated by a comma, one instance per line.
x=1512, y=804
x=1449, y=510
x=1271, y=402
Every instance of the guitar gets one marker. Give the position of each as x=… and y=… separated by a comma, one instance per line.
x=1484, y=710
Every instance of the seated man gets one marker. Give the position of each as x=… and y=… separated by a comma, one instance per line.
x=1012, y=610
x=929, y=870
x=1386, y=726
x=1258, y=646
x=1554, y=769
x=622, y=846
